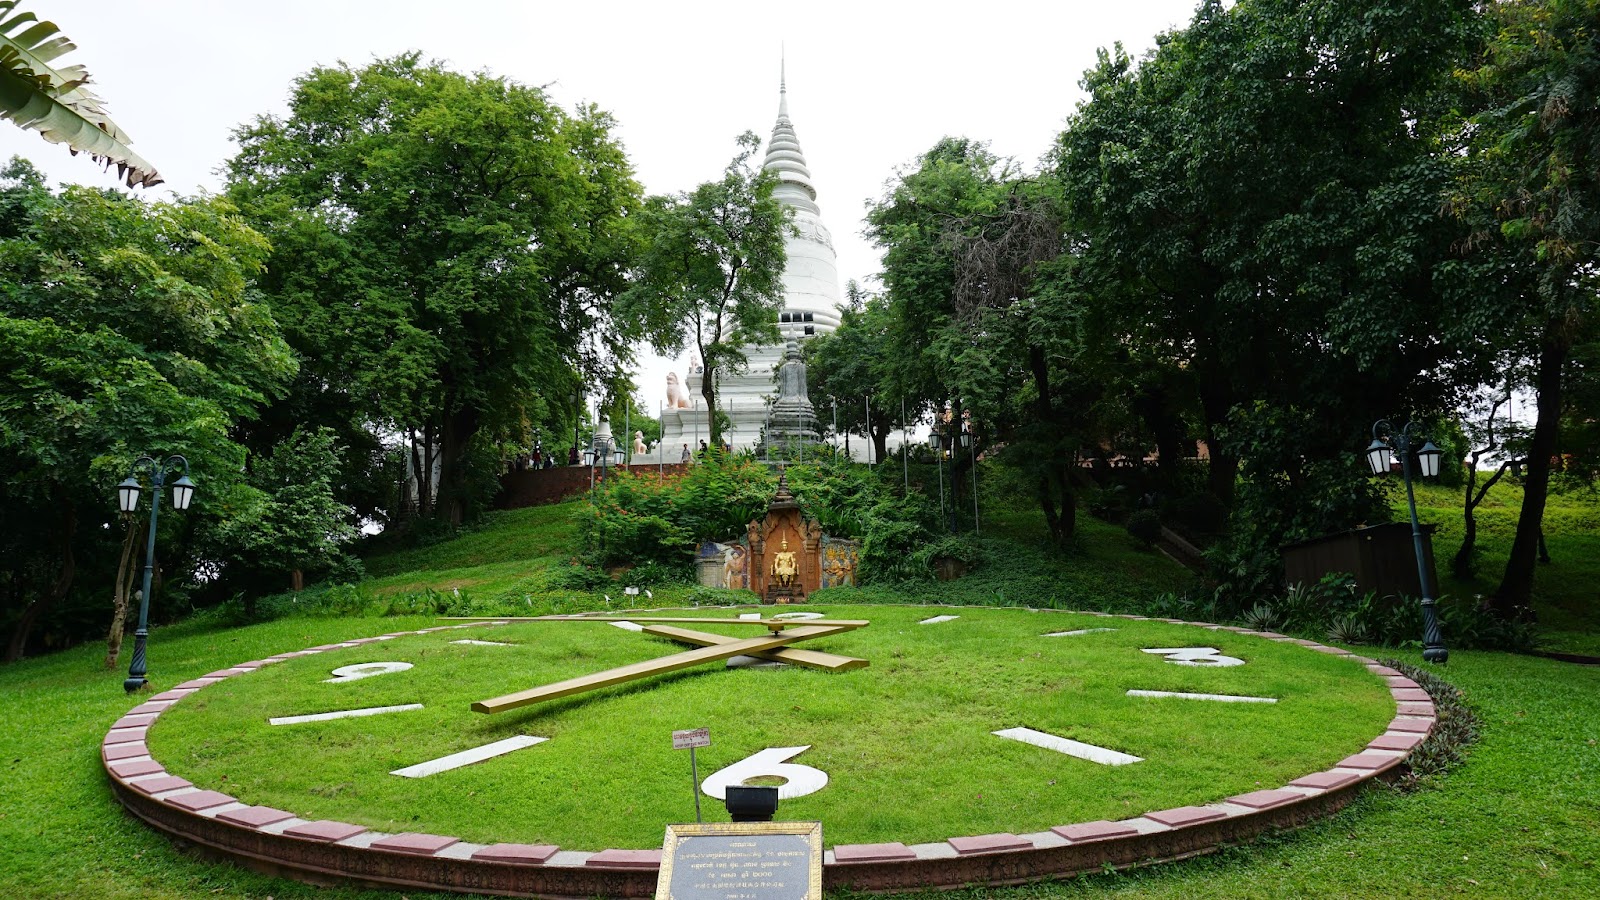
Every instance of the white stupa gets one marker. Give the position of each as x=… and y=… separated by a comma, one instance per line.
x=810, y=307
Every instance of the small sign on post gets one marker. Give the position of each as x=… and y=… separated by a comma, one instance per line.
x=691, y=738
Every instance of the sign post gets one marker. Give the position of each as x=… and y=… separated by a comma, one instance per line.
x=692, y=738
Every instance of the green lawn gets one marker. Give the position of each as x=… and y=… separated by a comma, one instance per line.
x=1520, y=818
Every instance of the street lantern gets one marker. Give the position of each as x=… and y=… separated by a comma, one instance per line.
x=617, y=454
x=128, y=502
x=128, y=494
x=1428, y=456
x=182, y=493
x=1379, y=456
x=933, y=440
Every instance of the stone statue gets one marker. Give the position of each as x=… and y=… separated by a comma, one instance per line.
x=784, y=567
x=639, y=448
x=677, y=397
x=694, y=364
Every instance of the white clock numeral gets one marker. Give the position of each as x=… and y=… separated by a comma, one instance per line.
x=365, y=670
x=1070, y=747
x=1197, y=656
x=799, y=617
x=937, y=619
x=468, y=757
x=773, y=763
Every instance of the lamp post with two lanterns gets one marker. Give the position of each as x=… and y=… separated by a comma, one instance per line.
x=128, y=502
x=602, y=450
x=1380, y=455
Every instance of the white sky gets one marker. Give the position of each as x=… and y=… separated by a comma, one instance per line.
x=871, y=84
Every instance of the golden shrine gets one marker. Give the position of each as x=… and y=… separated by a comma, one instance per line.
x=785, y=562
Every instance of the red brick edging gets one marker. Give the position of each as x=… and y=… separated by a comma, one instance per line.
x=323, y=851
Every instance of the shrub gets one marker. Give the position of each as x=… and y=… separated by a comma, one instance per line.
x=1145, y=526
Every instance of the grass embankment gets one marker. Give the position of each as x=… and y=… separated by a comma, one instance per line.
x=1566, y=589
x=1521, y=818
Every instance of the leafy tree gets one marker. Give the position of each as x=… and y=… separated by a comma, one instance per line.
x=55, y=102
x=712, y=270
x=849, y=365
x=130, y=328
x=446, y=252
x=1531, y=188
x=1259, y=198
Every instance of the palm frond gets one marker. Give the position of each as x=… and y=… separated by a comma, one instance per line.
x=55, y=102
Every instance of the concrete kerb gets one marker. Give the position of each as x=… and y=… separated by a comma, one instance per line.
x=326, y=852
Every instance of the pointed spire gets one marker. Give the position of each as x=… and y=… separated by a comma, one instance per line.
x=784, y=155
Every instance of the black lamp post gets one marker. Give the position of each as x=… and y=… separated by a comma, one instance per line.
x=968, y=444
x=128, y=502
x=1380, y=454
x=937, y=441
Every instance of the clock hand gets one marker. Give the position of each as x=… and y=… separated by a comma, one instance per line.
x=659, y=666
x=813, y=659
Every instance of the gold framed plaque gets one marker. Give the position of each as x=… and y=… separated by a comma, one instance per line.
x=742, y=861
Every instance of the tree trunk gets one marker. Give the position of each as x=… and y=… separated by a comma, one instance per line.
x=119, y=593
x=297, y=580
x=459, y=429
x=1465, y=563
x=708, y=392
x=63, y=583
x=1513, y=599
x=1223, y=470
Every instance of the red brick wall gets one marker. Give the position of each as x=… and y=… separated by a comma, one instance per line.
x=536, y=487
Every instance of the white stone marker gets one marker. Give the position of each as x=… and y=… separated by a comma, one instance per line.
x=468, y=757
x=471, y=643
x=629, y=626
x=937, y=619
x=755, y=616
x=800, y=616
x=1068, y=746
x=342, y=714
x=365, y=670
x=1221, y=698
x=1078, y=632
x=1197, y=656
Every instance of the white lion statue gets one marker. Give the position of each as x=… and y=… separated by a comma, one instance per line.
x=677, y=397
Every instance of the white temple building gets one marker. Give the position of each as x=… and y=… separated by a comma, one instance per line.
x=810, y=307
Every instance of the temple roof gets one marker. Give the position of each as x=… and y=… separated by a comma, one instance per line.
x=785, y=157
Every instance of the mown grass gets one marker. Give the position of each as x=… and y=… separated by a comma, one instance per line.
x=1520, y=818
x=915, y=725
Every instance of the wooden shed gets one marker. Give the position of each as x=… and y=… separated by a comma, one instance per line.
x=1381, y=557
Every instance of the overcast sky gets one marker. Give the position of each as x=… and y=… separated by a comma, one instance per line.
x=871, y=84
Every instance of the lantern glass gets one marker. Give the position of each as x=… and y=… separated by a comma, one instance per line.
x=588, y=457
x=128, y=495
x=966, y=439
x=933, y=440
x=182, y=493
x=1378, y=457
x=616, y=455
x=1429, y=456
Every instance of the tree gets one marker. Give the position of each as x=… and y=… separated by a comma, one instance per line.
x=446, y=252
x=129, y=328
x=1530, y=186
x=55, y=102
x=712, y=270
x=849, y=365
x=1255, y=210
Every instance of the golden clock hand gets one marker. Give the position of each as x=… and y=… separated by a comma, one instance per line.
x=813, y=659
x=659, y=666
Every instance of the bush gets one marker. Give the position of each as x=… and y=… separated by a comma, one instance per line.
x=1145, y=526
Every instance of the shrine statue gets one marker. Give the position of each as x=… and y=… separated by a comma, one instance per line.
x=784, y=567
x=638, y=444
x=677, y=397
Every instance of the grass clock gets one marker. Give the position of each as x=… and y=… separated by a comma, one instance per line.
x=891, y=725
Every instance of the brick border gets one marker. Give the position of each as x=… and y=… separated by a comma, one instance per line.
x=323, y=852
